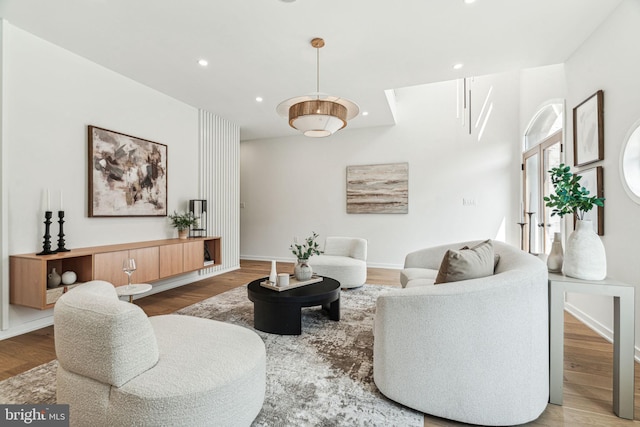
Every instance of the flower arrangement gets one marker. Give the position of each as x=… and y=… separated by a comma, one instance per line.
x=308, y=248
x=570, y=196
x=183, y=221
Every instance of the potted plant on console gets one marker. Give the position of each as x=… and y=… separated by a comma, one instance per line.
x=302, y=269
x=183, y=221
x=584, y=257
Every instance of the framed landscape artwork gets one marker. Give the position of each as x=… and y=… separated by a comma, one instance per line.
x=592, y=181
x=588, y=130
x=127, y=175
x=378, y=188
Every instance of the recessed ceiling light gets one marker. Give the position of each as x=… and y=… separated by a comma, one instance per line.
x=287, y=1
x=458, y=66
x=469, y=1
x=259, y=99
x=203, y=62
x=365, y=113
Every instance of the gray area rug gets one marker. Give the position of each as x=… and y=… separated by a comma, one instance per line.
x=323, y=377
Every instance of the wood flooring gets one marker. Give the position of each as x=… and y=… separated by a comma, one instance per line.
x=588, y=357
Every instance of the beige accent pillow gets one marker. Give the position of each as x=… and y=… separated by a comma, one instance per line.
x=467, y=264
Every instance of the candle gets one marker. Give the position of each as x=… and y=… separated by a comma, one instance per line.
x=530, y=203
x=48, y=200
x=521, y=212
x=61, y=206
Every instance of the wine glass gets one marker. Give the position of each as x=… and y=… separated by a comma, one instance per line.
x=129, y=266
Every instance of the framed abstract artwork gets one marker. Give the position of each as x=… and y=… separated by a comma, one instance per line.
x=127, y=175
x=592, y=181
x=588, y=130
x=378, y=189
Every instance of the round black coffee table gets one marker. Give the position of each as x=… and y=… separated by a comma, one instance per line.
x=280, y=312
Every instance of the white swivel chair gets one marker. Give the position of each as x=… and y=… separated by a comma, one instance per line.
x=118, y=367
x=344, y=259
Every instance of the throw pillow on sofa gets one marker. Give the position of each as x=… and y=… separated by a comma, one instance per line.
x=467, y=264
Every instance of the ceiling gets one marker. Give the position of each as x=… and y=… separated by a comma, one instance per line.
x=261, y=47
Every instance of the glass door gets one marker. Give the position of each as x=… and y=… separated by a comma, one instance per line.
x=540, y=225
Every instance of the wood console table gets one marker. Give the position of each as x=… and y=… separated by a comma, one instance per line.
x=156, y=259
x=623, y=336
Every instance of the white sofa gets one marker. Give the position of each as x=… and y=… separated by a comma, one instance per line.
x=117, y=367
x=344, y=259
x=474, y=351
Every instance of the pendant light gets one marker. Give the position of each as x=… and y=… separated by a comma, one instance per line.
x=318, y=114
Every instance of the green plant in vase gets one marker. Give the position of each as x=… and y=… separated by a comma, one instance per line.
x=585, y=256
x=182, y=222
x=302, y=269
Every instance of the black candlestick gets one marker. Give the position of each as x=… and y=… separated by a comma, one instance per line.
x=61, y=247
x=46, y=245
x=522, y=224
x=530, y=215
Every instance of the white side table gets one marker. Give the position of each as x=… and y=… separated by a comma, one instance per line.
x=623, y=336
x=132, y=290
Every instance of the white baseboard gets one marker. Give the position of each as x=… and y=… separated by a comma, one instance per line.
x=24, y=328
x=596, y=326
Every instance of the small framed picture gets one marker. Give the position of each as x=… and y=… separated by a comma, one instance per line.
x=592, y=181
x=588, y=130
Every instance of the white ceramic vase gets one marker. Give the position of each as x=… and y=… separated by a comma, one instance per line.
x=584, y=257
x=302, y=270
x=69, y=278
x=273, y=275
x=556, y=256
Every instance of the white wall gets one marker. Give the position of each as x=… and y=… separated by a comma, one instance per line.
x=608, y=60
x=50, y=96
x=293, y=186
x=605, y=61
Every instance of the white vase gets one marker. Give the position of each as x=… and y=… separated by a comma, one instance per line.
x=584, y=257
x=69, y=278
x=273, y=276
x=554, y=261
x=302, y=270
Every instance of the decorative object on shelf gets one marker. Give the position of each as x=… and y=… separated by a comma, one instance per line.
x=182, y=222
x=556, y=256
x=61, y=247
x=46, y=244
x=584, y=256
x=318, y=115
x=69, y=278
x=127, y=175
x=273, y=275
x=378, y=188
x=53, y=279
x=302, y=269
x=198, y=207
x=588, y=130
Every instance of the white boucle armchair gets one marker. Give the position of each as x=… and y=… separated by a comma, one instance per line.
x=344, y=259
x=474, y=351
x=118, y=367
